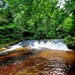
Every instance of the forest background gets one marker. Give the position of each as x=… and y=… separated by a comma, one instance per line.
x=37, y=19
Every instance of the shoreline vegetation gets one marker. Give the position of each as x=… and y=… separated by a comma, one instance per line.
x=41, y=19
x=8, y=44
x=5, y=45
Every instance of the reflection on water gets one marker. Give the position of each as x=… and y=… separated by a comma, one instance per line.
x=29, y=62
x=24, y=58
x=54, y=66
x=58, y=66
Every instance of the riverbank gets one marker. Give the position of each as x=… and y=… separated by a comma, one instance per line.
x=8, y=44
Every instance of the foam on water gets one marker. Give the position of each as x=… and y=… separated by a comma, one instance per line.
x=11, y=48
x=56, y=44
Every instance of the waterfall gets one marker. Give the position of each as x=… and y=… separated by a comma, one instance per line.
x=56, y=44
x=53, y=44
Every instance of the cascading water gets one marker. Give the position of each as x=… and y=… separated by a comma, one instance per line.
x=45, y=57
x=53, y=44
x=56, y=44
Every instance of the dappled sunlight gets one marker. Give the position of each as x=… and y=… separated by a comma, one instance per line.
x=37, y=37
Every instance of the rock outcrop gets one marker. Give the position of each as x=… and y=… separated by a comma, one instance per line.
x=25, y=61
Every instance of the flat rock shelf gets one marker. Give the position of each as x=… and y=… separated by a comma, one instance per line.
x=24, y=61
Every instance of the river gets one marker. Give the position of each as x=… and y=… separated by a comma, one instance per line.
x=37, y=57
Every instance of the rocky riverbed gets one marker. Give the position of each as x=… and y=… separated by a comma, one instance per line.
x=24, y=61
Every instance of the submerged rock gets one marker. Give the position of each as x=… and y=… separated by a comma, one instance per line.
x=2, y=48
x=43, y=62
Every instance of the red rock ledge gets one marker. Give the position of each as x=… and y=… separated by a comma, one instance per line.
x=29, y=62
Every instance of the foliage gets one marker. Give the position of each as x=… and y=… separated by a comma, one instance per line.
x=36, y=19
x=70, y=41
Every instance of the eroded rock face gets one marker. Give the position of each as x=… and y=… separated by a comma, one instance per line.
x=30, y=62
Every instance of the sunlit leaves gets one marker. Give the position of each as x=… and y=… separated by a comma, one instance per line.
x=68, y=24
x=37, y=19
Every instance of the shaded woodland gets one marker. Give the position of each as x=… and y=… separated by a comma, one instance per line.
x=37, y=19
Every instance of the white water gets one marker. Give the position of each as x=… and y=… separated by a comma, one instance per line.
x=11, y=48
x=56, y=44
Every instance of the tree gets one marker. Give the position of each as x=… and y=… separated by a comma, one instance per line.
x=36, y=19
x=70, y=8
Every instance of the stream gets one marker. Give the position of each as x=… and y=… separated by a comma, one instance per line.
x=37, y=57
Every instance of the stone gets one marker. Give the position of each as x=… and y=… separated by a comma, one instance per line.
x=25, y=61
